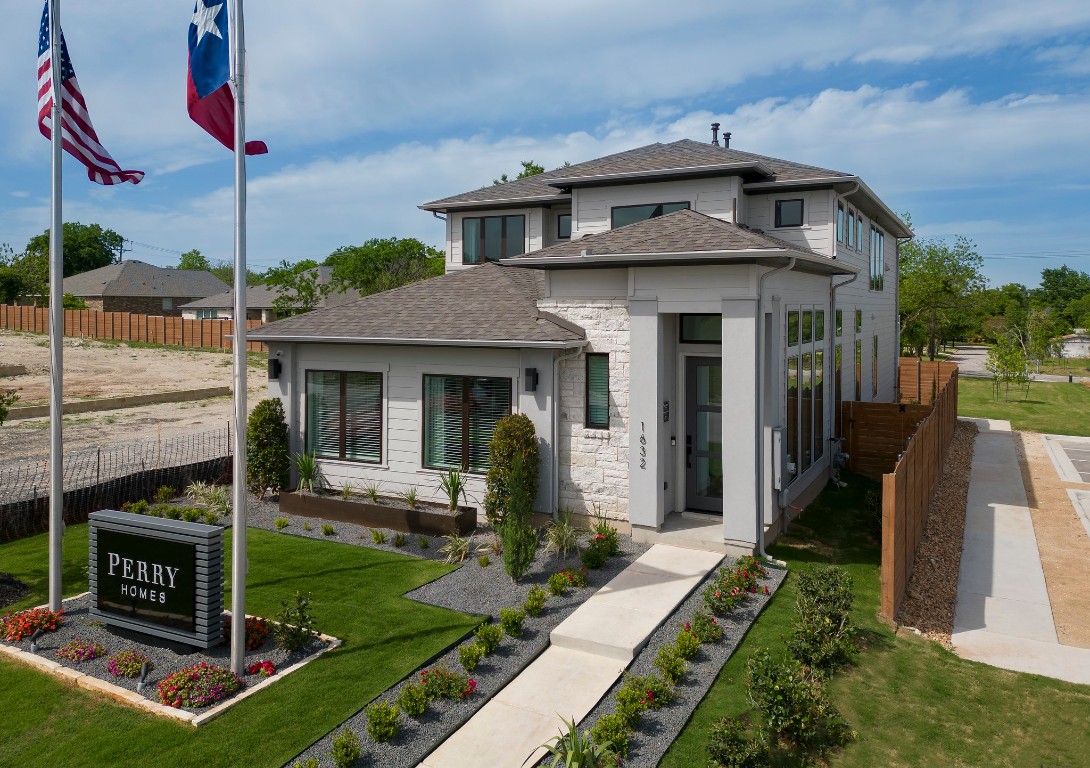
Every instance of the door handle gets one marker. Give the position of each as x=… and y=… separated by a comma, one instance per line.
x=688, y=451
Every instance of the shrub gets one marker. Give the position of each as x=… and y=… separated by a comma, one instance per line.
x=191, y=515
x=731, y=745
x=80, y=650
x=268, y=458
x=572, y=749
x=631, y=703
x=442, y=683
x=410, y=497
x=514, y=442
x=213, y=497
x=603, y=532
x=281, y=523
x=310, y=474
x=511, y=620
x=470, y=655
x=198, y=686
x=135, y=507
x=399, y=540
x=412, y=700
x=612, y=731
x=381, y=725
x=824, y=637
x=17, y=626
x=8, y=398
x=670, y=663
x=346, y=745
x=165, y=494
x=171, y=513
x=558, y=584
x=519, y=546
x=656, y=691
x=328, y=529
x=733, y=585
x=264, y=668
x=687, y=643
x=209, y=517
x=377, y=536
x=535, y=601
x=594, y=556
x=562, y=534
x=307, y=527
x=456, y=549
x=577, y=579
x=488, y=636
x=126, y=663
x=706, y=628
x=423, y=542
x=483, y=561
x=257, y=631
x=310, y=762
x=296, y=626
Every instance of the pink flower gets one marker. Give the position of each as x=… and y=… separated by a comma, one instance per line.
x=766, y=590
x=717, y=594
x=688, y=626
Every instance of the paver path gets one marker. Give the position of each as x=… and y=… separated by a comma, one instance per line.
x=1004, y=617
x=588, y=652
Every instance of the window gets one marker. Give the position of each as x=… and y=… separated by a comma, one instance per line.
x=807, y=326
x=839, y=322
x=819, y=325
x=789, y=213
x=701, y=329
x=877, y=259
x=460, y=413
x=806, y=451
x=819, y=404
x=840, y=222
x=563, y=226
x=851, y=228
x=597, y=391
x=623, y=215
x=168, y=303
x=858, y=370
x=344, y=415
x=792, y=328
x=207, y=314
x=858, y=321
x=874, y=368
x=491, y=238
x=859, y=233
x=791, y=470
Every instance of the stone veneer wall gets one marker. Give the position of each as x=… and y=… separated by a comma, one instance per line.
x=594, y=462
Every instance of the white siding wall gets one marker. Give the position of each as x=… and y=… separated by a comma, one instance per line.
x=591, y=206
x=549, y=225
x=818, y=230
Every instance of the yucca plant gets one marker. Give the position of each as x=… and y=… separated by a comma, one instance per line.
x=371, y=492
x=309, y=473
x=562, y=534
x=456, y=549
x=572, y=750
x=346, y=490
x=410, y=497
x=453, y=485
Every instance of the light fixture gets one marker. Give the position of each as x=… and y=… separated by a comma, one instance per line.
x=145, y=668
x=34, y=640
x=531, y=379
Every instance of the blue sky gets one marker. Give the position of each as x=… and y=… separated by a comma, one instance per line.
x=972, y=116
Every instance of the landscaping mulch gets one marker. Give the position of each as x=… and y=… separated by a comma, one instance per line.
x=932, y=595
x=11, y=589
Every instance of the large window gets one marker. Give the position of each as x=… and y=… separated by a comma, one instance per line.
x=851, y=228
x=491, y=238
x=597, y=391
x=805, y=389
x=622, y=215
x=874, y=367
x=877, y=259
x=460, y=413
x=789, y=213
x=344, y=415
x=563, y=226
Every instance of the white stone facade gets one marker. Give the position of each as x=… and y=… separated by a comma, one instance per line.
x=594, y=462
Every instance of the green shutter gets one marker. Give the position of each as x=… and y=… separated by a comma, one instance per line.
x=598, y=391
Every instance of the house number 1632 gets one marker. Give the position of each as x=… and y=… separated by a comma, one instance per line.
x=643, y=448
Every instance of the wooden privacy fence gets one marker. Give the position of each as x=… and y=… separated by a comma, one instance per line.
x=919, y=381
x=129, y=326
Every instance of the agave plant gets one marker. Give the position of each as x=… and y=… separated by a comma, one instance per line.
x=453, y=485
x=562, y=534
x=309, y=473
x=456, y=549
x=572, y=750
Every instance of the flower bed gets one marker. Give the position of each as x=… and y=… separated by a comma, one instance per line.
x=425, y=518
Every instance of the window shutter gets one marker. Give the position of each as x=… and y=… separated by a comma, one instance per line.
x=489, y=401
x=598, y=391
x=324, y=413
x=443, y=422
x=363, y=417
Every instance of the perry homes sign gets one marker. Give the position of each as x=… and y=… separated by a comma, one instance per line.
x=157, y=576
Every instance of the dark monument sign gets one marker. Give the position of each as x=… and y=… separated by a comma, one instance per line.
x=157, y=576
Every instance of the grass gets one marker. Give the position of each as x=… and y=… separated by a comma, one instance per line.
x=1079, y=366
x=1049, y=407
x=357, y=596
x=911, y=701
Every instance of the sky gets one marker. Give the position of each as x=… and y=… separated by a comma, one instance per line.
x=972, y=117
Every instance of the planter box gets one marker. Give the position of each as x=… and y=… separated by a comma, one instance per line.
x=427, y=519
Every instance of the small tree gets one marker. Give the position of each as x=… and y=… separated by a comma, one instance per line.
x=268, y=458
x=513, y=437
x=7, y=399
x=1007, y=363
x=518, y=536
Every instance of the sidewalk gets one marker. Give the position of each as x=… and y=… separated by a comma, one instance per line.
x=588, y=652
x=1003, y=616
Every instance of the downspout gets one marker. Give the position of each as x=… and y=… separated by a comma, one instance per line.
x=556, y=423
x=758, y=426
x=833, y=288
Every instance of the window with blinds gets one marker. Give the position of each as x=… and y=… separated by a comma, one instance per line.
x=344, y=415
x=460, y=413
x=597, y=391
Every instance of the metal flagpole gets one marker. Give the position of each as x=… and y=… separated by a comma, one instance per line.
x=238, y=521
x=56, y=321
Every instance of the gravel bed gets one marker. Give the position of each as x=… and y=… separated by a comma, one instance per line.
x=933, y=589
x=78, y=623
x=659, y=728
x=11, y=589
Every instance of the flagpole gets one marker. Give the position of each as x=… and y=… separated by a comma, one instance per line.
x=56, y=321
x=238, y=524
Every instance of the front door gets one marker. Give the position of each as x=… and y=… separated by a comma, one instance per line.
x=704, y=434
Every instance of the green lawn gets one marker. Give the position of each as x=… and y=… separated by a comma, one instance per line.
x=911, y=702
x=1054, y=408
x=356, y=597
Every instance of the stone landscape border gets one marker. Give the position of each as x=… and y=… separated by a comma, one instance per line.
x=133, y=699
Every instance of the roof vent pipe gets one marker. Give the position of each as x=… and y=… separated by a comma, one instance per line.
x=715, y=134
x=726, y=139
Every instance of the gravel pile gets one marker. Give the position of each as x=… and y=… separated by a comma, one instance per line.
x=659, y=728
x=933, y=589
x=11, y=589
x=78, y=623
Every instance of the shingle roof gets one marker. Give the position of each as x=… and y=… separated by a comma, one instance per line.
x=683, y=155
x=262, y=297
x=683, y=231
x=135, y=278
x=488, y=304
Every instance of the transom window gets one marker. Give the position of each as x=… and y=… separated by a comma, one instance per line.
x=491, y=238
x=701, y=329
x=789, y=213
x=563, y=226
x=622, y=215
x=344, y=415
x=460, y=413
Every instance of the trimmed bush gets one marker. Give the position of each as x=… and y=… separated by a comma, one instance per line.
x=514, y=443
x=470, y=655
x=511, y=620
x=488, y=636
x=687, y=643
x=412, y=700
x=656, y=690
x=381, y=724
x=631, y=702
x=519, y=546
x=594, y=556
x=535, y=601
x=268, y=459
x=732, y=745
x=612, y=730
x=671, y=663
x=824, y=637
x=346, y=745
x=442, y=683
x=281, y=523
x=706, y=628
x=164, y=494
x=558, y=584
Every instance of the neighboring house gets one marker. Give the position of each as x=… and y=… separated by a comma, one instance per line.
x=259, y=301
x=680, y=322
x=1075, y=344
x=133, y=286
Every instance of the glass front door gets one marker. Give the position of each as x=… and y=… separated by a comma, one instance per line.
x=704, y=434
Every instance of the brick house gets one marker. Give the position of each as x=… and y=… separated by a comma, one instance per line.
x=133, y=286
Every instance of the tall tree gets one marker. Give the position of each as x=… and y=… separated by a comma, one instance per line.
x=938, y=282
x=384, y=263
x=529, y=168
x=194, y=260
x=298, y=285
x=1060, y=287
x=86, y=247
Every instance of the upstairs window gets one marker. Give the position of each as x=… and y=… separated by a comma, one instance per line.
x=597, y=391
x=491, y=238
x=789, y=213
x=622, y=215
x=859, y=233
x=563, y=226
x=877, y=259
x=851, y=228
x=460, y=413
x=840, y=222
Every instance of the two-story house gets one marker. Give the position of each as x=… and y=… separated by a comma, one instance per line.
x=680, y=322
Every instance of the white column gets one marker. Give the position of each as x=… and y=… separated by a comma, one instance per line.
x=645, y=463
x=740, y=436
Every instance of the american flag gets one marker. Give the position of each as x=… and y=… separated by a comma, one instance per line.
x=78, y=136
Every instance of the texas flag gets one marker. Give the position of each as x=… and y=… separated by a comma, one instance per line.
x=208, y=92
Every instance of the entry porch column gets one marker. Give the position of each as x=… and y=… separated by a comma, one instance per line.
x=646, y=472
x=741, y=439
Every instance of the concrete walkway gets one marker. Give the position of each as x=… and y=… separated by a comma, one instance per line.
x=1003, y=616
x=588, y=651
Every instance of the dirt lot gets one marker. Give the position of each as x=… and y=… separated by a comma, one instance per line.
x=94, y=369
